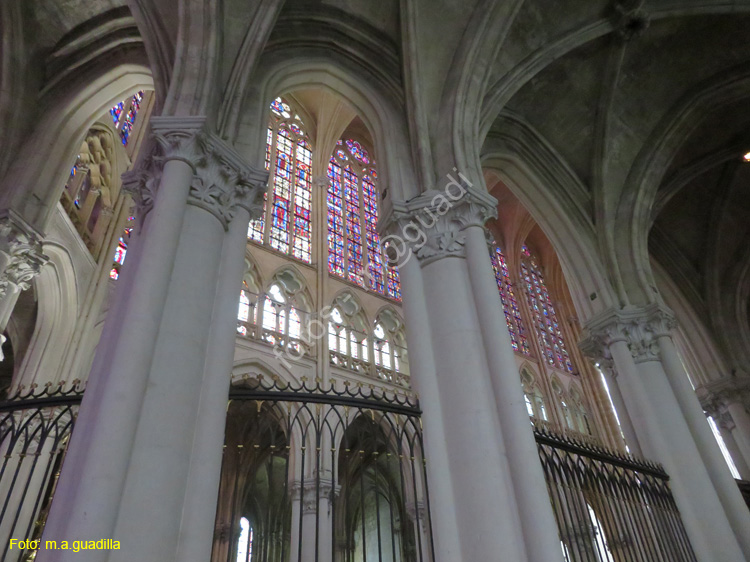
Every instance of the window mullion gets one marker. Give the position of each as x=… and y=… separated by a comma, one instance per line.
x=363, y=232
x=292, y=195
x=270, y=196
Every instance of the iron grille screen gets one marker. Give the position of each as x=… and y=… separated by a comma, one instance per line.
x=610, y=507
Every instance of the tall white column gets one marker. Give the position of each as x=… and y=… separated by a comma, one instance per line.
x=485, y=510
x=536, y=516
x=606, y=366
x=631, y=337
x=726, y=426
x=199, y=513
x=741, y=430
x=724, y=483
x=131, y=455
x=445, y=530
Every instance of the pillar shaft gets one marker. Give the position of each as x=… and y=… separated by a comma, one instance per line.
x=424, y=381
x=726, y=488
x=196, y=530
x=132, y=456
x=484, y=496
x=92, y=481
x=741, y=431
x=667, y=427
x=623, y=416
x=537, y=518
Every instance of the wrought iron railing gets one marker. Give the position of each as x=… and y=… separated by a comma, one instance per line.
x=609, y=506
x=322, y=472
x=336, y=471
x=35, y=427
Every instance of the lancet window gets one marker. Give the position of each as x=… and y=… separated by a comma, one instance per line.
x=354, y=250
x=286, y=226
x=543, y=313
x=513, y=317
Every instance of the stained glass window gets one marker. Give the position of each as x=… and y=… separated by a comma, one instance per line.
x=122, y=249
x=287, y=228
x=124, y=115
x=543, y=313
x=513, y=318
x=354, y=250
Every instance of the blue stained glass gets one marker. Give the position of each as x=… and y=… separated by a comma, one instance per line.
x=550, y=335
x=510, y=305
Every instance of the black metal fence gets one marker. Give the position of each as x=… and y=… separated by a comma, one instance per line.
x=610, y=507
x=313, y=474
x=322, y=474
x=35, y=427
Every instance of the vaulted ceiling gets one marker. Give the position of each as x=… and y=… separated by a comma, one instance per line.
x=609, y=87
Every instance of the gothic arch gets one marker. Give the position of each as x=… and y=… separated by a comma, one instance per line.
x=290, y=71
x=56, y=288
x=246, y=368
x=505, y=87
x=35, y=180
x=570, y=233
x=632, y=220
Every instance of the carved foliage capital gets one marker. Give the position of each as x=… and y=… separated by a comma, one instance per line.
x=716, y=397
x=313, y=494
x=22, y=256
x=431, y=226
x=221, y=184
x=640, y=328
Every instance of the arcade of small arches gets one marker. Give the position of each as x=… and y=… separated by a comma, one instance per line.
x=194, y=244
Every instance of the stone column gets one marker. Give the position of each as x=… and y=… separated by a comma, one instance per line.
x=21, y=258
x=535, y=510
x=199, y=513
x=477, y=477
x=632, y=337
x=741, y=432
x=606, y=365
x=136, y=446
x=422, y=371
x=723, y=481
x=726, y=426
x=312, y=520
x=725, y=400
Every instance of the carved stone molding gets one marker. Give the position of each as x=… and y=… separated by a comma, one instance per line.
x=21, y=256
x=717, y=396
x=222, y=183
x=630, y=19
x=640, y=328
x=431, y=226
x=418, y=510
x=312, y=502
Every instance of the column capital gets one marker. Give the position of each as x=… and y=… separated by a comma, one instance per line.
x=21, y=255
x=222, y=182
x=326, y=490
x=430, y=226
x=639, y=327
x=716, y=396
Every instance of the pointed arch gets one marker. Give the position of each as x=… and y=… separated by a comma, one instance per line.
x=35, y=181
x=291, y=69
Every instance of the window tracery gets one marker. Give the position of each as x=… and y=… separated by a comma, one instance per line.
x=286, y=227
x=354, y=250
x=543, y=313
x=276, y=316
x=348, y=345
x=389, y=348
x=513, y=319
x=534, y=399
